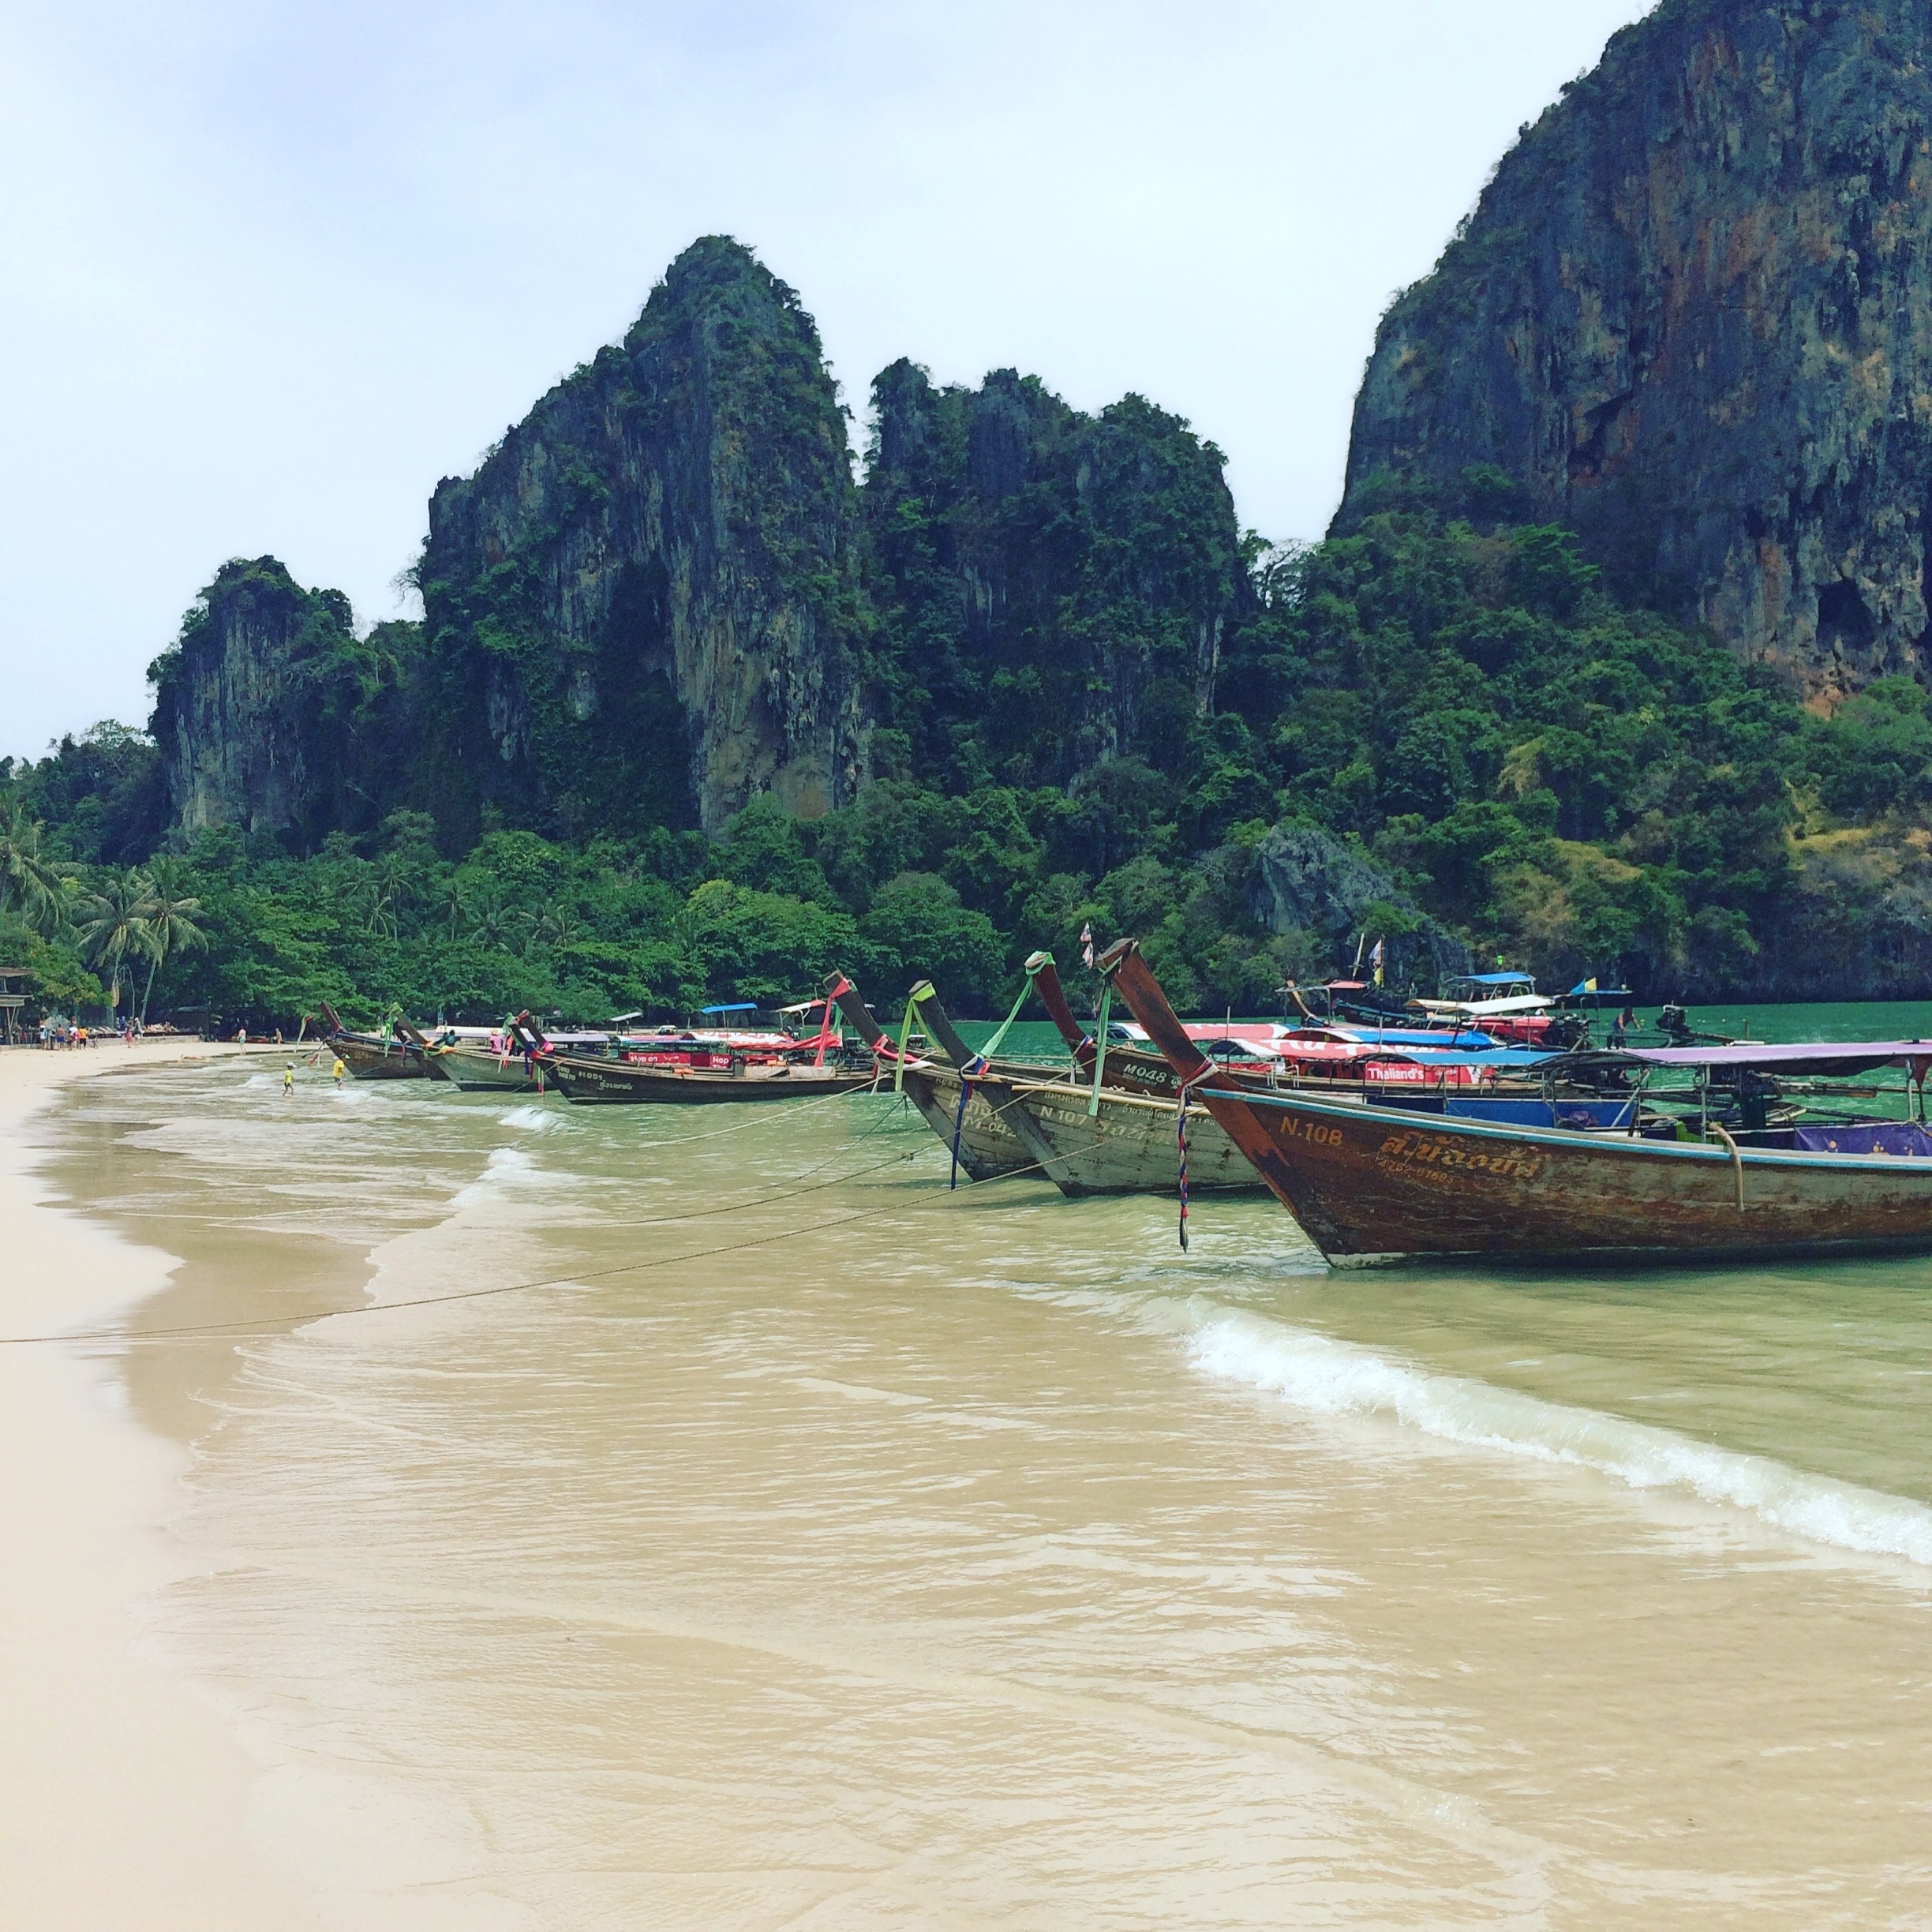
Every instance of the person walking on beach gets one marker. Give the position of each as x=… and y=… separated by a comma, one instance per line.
x=288, y=1080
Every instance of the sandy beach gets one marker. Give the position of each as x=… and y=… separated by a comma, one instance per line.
x=126, y=1796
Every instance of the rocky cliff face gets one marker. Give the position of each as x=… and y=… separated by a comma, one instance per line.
x=272, y=717
x=638, y=608
x=1309, y=884
x=230, y=715
x=1692, y=317
x=1055, y=587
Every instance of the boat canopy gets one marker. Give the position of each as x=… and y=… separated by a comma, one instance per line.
x=1494, y=979
x=1503, y=1059
x=1462, y=1040
x=1801, y=1057
x=735, y=1006
x=1483, y=1009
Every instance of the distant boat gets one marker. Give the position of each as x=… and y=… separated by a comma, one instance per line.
x=688, y=1069
x=1373, y=1184
x=477, y=1070
x=373, y=1056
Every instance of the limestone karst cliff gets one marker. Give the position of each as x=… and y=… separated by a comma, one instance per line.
x=1055, y=588
x=271, y=716
x=1691, y=316
x=639, y=609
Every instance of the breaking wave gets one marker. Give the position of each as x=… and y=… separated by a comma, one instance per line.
x=1321, y=1376
x=506, y=1167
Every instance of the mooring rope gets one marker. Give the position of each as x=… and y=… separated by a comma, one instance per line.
x=268, y=1322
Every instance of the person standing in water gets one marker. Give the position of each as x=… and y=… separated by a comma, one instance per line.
x=340, y=1070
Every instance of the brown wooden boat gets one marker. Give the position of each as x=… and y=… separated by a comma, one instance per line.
x=588, y=1081
x=1375, y=1185
x=367, y=1056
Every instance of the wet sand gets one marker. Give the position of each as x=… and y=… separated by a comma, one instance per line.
x=123, y=1796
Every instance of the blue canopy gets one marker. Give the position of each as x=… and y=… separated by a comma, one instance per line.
x=741, y=1006
x=1496, y=979
x=1411, y=1036
x=1503, y=1057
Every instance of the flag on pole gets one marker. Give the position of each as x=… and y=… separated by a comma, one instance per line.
x=1376, y=960
x=1086, y=951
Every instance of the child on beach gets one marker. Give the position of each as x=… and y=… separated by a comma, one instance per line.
x=288, y=1080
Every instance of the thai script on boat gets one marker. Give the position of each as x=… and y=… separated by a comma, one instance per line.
x=1440, y=1151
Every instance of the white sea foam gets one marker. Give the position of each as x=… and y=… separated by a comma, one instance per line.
x=1322, y=1376
x=537, y=1119
x=506, y=1167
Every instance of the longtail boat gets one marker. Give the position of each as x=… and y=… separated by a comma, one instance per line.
x=1374, y=1185
x=476, y=1069
x=1000, y=1116
x=371, y=1056
x=697, y=1075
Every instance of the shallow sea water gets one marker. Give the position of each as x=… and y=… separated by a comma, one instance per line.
x=817, y=1547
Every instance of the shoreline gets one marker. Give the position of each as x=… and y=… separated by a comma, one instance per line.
x=128, y=1795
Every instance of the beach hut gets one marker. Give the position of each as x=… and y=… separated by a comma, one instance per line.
x=14, y=981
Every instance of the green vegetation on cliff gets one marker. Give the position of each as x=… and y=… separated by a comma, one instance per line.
x=1454, y=710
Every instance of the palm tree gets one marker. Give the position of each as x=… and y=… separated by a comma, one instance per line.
x=453, y=901
x=494, y=918
x=556, y=925
x=27, y=882
x=170, y=912
x=113, y=924
x=394, y=882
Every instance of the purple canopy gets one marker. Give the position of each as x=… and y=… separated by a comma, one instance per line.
x=1840, y=1056
x=1904, y=1138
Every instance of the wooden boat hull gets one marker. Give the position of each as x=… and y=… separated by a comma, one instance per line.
x=1130, y=1146
x=602, y=1082
x=371, y=1060
x=1016, y=1120
x=483, y=1072
x=988, y=1144
x=1375, y=1186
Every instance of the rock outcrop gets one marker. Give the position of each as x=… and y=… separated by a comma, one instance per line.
x=1310, y=883
x=1055, y=587
x=1691, y=316
x=640, y=608
x=273, y=717
x=234, y=697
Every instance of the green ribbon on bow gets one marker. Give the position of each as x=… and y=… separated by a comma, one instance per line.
x=1032, y=973
x=905, y=1032
x=1100, y=1047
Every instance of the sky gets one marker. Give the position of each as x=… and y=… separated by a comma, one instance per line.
x=269, y=271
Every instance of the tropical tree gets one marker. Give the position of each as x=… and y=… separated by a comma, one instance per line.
x=555, y=924
x=30, y=883
x=453, y=907
x=114, y=923
x=169, y=910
